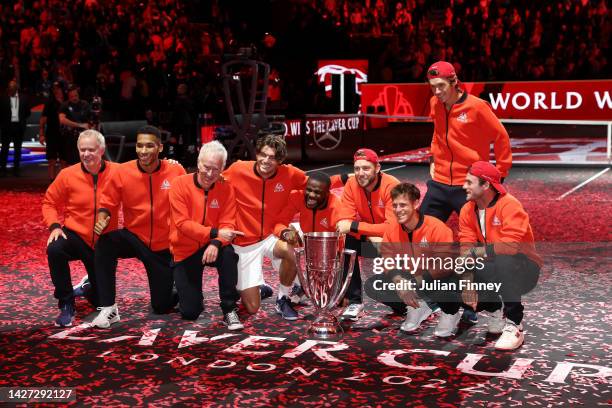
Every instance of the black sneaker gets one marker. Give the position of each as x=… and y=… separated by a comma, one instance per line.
x=283, y=307
x=265, y=291
x=232, y=321
x=66, y=316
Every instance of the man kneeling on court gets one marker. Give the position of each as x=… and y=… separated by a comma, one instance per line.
x=203, y=217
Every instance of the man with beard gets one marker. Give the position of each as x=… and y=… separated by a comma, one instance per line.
x=365, y=212
x=317, y=209
x=494, y=226
x=77, y=189
x=142, y=187
x=262, y=190
x=465, y=127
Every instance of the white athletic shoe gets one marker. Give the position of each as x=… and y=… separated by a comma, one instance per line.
x=511, y=338
x=496, y=322
x=447, y=324
x=414, y=317
x=353, y=311
x=232, y=321
x=107, y=316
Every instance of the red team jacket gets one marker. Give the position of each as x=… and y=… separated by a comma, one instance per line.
x=311, y=220
x=79, y=193
x=146, y=210
x=197, y=215
x=260, y=202
x=506, y=225
x=464, y=136
x=374, y=214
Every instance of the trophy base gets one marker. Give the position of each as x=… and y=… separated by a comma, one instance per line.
x=326, y=326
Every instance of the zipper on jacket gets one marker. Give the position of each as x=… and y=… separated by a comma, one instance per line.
x=151, y=198
x=263, y=195
x=205, y=205
x=95, y=190
x=449, y=149
x=314, y=217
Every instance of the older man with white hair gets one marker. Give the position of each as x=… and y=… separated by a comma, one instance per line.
x=77, y=189
x=202, y=226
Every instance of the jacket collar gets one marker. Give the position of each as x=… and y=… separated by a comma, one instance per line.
x=102, y=167
x=419, y=224
x=198, y=185
x=259, y=175
x=143, y=170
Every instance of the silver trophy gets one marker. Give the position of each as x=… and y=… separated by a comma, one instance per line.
x=321, y=278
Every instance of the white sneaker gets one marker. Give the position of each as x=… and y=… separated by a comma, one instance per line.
x=232, y=321
x=353, y=311
x=414, y=317
x=511, y=338
x=107, y=316
x=447, y=324
x=496, y=322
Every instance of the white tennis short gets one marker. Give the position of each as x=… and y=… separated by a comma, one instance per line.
x=250, y=262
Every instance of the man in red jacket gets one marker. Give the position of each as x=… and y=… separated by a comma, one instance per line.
x=262, y=189
x=142, y=187
x=464, y=129
x=365, y=213
x=419, y=237
x=77, y=189
x=203, y=208
x=494, y=226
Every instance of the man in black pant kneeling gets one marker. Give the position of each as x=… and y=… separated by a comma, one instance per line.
x=203, y=217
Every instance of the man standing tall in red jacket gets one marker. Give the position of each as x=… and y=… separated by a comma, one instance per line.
x=464, y=129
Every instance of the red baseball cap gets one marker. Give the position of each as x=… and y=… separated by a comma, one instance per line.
x=488, y=172
x=441, y=69
x=366, y=154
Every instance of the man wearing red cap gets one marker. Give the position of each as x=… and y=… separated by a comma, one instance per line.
x=464, y=128
x=365, y=212
x=494, y=226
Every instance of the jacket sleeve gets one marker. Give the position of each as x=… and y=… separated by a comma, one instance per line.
x=54, y=199
x=284, y=218
x=501, y=141
x=468, y=237
x=227, y=219
x=378, y=229
x=111, y=194
x=298, y=178
x=432, y=115
x=180, y=202
x=513, y=229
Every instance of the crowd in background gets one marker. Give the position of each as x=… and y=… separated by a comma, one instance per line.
x=155, y=56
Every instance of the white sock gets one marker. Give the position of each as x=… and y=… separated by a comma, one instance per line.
x=283, y=290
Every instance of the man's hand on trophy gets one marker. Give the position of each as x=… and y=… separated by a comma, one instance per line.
x=291, y=236
x=344, y=226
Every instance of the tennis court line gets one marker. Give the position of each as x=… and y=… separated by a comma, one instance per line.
x=584, y=183
x=325, y=168
x=394, y=168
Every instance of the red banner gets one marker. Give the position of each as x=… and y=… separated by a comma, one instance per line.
x=553, y=100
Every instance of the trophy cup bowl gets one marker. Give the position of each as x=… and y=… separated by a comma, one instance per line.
x=320, y=265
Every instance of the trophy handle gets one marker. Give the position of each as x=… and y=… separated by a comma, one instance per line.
x=301, y=272
x=352, y=257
